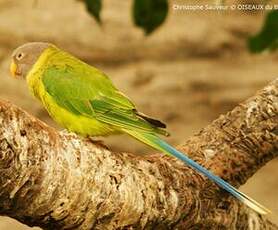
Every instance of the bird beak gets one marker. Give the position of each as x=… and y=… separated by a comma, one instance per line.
x=13, y=69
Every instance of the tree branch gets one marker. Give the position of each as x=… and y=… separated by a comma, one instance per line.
x=61, y=181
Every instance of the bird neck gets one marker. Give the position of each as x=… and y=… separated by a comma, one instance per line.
x=34, y=76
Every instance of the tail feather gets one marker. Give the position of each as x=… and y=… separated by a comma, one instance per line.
x=157, y=143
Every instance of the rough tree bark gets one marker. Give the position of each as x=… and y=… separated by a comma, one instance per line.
x=60, y=181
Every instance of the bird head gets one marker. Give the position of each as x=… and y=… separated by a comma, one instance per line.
x=25, y=56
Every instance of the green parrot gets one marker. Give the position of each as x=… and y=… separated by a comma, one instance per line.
x=83, y=100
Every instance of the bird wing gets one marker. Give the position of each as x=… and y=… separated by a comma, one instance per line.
x=92, y=94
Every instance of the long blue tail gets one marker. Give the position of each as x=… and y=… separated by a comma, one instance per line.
x=157, y=143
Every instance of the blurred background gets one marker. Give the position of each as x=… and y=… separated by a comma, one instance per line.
x=190, y=70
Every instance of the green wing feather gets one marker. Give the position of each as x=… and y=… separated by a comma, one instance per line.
x=92, y=94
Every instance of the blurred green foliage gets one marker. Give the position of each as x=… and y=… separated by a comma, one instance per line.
x=150, y=14
x=267, y=38
x=94, y=8
x=147, y=14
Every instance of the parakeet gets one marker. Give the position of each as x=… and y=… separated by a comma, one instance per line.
x=83, y=100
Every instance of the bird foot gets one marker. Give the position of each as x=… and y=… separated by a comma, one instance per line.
x=99, y=143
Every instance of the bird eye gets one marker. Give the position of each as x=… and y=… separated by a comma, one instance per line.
x=19, y=56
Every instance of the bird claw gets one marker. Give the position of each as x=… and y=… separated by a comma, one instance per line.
x=97, y=142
